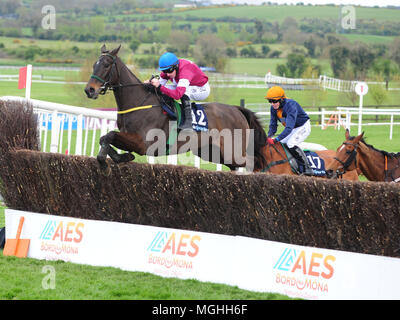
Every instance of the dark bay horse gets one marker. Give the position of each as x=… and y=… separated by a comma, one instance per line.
x=374, y=164
x=234, y=137
x=277, y=161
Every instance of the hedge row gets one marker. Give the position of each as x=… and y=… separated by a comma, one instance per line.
x=353, y=216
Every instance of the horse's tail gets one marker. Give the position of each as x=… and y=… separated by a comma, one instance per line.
x=260, y=137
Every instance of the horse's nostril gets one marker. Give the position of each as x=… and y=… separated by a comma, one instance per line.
x=90, y=91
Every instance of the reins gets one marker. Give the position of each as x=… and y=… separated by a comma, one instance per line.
x=351, y=158
x=275, y=163
x=106, y=86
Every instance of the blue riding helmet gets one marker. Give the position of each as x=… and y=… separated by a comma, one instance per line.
x=167, y=60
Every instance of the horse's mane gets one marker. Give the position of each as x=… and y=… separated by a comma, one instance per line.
x=383, y=152
x=161, y=96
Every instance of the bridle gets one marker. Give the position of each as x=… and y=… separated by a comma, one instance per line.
x=350, y=159
x=275, y=163
x=106, y=82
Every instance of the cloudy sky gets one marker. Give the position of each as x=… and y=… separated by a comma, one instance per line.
x=370, y=3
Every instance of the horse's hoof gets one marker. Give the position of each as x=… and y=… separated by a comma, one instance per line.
x=126, y=157
x=104, y=167
x=104, y=170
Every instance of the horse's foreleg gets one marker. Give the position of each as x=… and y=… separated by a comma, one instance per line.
x=106, y=142
x=102, y=155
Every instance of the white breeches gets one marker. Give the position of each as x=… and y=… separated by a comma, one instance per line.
x=193, y=92
x=298, y=135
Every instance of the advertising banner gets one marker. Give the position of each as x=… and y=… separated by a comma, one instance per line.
x=314, y=273
x=252, y=264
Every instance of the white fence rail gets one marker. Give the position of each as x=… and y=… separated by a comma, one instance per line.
x=323, y=82
x=342, y=117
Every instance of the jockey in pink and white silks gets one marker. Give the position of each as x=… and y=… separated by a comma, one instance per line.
x=188, y=83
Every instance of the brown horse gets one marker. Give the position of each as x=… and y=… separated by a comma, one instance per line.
x=234, y=137
x=375, y=165
x=279, y=163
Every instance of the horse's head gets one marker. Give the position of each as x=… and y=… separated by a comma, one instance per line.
x=104, y=73
x=346, y=154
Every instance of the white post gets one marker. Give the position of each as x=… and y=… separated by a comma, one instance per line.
x=348, y=120
x=78, y=145
x=151, y=159
x=28, y=81
x=360, y=114
x=361, y=89
x=55, y=131
x=172, y=159
x=197, y=162
x=70, y=119
x=391, y=127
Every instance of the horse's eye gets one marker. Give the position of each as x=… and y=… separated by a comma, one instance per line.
x=106, y=65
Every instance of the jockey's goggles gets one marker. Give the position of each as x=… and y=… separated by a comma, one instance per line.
x=273, y=100
x=170, y=70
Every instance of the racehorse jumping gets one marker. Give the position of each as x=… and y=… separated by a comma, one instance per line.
x=280, y=161
x=146, y=130
x=375, y=165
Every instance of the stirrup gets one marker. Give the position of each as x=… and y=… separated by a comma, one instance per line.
x=185, y=126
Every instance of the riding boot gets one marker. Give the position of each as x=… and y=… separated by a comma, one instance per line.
x=187, y=112
x=300, y=155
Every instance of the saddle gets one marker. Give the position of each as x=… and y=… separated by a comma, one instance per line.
x=316, y=163
x=173, y=110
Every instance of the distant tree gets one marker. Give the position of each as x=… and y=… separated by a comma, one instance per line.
x=134, y=45
x=395, y=50
x=296, y=64
x=339, y=56
x=211, y=52
x=265, y=49
x=282, y=70
x=378, y=92
x=181, y=41
x=231, y=52
x=361, y=57
x=276, y=28
x=248, y=52
x=310, y=44
x=333, y=40
x=275, y=54
x=259, y=30
x=385, y=68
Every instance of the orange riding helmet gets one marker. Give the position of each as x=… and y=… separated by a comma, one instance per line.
x=275, y=93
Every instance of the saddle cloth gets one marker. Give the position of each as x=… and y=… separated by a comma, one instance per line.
x=199, y=117
x=316, y=163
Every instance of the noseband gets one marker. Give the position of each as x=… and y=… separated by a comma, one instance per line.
x=351, y=158
x=106, y=83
